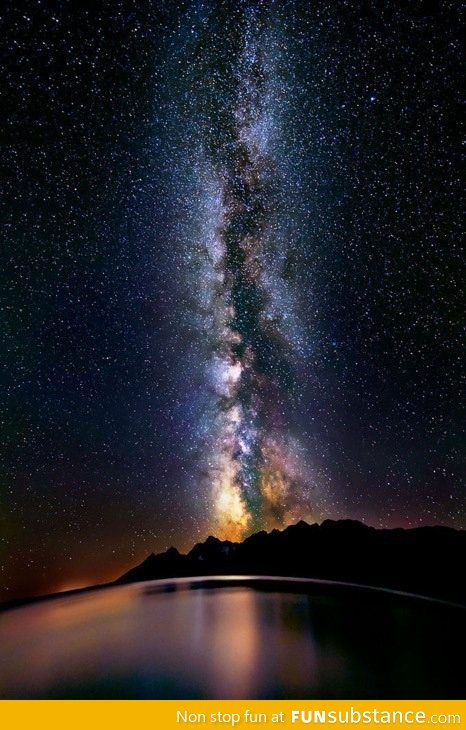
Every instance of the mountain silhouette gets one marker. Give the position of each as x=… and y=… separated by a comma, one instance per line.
x=423, y=560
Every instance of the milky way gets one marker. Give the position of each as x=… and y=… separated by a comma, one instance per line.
x=253, y=464
x=233, y=277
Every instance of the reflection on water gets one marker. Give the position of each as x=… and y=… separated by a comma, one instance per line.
x=242, y=639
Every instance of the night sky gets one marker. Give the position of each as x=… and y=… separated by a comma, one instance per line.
x=232, y=283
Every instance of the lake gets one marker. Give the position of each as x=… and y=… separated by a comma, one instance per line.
x=232, y=637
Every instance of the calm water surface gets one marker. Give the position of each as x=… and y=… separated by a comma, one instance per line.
x=224, y=639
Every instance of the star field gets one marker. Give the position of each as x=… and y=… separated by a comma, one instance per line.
x=232, y=276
